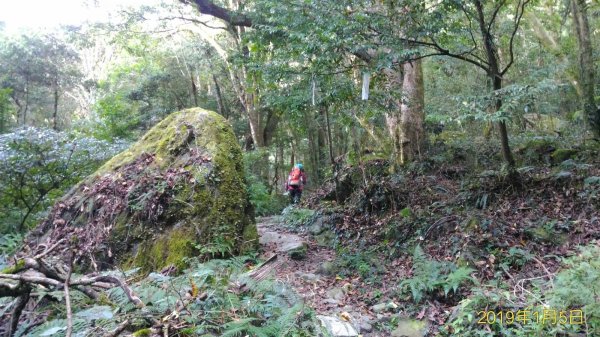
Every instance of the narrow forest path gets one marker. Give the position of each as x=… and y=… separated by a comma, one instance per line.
x=309, y=268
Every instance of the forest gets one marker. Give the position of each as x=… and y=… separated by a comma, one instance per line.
x=446, y=154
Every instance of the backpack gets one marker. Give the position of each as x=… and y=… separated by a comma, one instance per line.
x=295, y=177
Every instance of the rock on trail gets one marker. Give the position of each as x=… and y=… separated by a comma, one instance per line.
x=291, y=244
x=337, y=327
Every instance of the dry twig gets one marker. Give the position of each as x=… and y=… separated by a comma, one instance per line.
x=120, y=328
x=68, y=297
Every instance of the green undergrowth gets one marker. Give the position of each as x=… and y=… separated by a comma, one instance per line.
x=364, y=262
x=215, y=298
x=295, y=217
x=434, y=279
x=264, y=202
x=9, y=243
x=489, y=246
x=565, y=304
x=265, y=197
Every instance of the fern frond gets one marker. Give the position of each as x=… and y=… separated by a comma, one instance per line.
x=237, y=327
x=456, y=278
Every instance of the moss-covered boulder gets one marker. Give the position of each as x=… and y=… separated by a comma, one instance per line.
x=178, y=192
x=560, y=155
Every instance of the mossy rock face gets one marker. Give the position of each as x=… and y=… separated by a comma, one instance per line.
x=537, y=150
x=326, y=239
x=560, y=155
x=178, y=192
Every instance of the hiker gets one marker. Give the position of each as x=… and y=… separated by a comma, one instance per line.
x=295, y=183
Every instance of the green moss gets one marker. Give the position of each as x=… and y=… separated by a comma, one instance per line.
x=326, y=239
x=103, y=299
x=560, y=155
x=298, y=253
x=167, y=249
x=215, y=204
x=249, y=238
x=471, y=225
x=544, y=234
x=188, y=332
x=161, y=140
x=143, y=333
x=14, y=269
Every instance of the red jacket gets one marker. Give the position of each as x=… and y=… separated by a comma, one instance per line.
x=302, y=180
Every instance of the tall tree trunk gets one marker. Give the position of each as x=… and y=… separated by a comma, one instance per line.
x=313, y=155
x=194, y=88
x=312, y=146
x=412, y=135
x=19, y=108
x=220, y=104
x=392, y=121
x=55, y=113
x=586, y=64
x=3, y=118
x=256, y=129
x=279, y=164
x=269, y=125
x=293, y=153
x=246, y=88
x=26, y=107
x=334, y=170
x=405, y=124
x=506, y=152
x=249, y=102
x=321, y=144
x=495, y=77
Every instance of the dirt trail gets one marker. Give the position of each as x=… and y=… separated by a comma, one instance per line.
x=320, y=288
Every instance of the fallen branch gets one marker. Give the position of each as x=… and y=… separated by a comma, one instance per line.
x=120, y=328
x=69, y=332
x=20, y=303
x=548, y=273
x=439, y=222
x=260, y=272
x=50, y=271
x=8, y=289
x=32, y=279
x=86, y=280
x=47, y=251
x=82, y=281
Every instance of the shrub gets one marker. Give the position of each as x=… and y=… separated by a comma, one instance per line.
x=118, y=119
x=9, y=243
x=37, y=166
x=578, y=286
x=573, y=291
x=264, y=203
x=364, y=262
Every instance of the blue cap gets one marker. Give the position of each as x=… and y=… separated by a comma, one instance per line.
x=299, y=166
